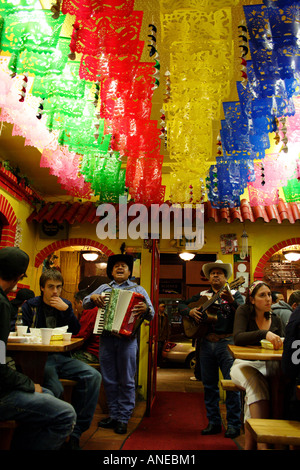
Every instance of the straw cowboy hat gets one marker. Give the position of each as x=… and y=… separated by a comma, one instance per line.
x=227, y=268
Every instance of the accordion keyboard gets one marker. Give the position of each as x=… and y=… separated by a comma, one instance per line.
x=98, y=328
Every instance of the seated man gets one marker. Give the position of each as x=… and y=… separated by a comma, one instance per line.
x=44, y=421
x=49, y=310
x=89, y=351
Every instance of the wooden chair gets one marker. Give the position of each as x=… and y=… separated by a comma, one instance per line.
x=7, y=429
x=279, y=432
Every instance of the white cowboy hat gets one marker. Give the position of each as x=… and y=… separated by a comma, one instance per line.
x=217, y=264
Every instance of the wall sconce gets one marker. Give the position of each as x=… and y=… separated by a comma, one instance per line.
x=291, y=255
x=186, y=256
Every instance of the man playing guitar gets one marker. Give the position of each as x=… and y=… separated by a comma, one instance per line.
x=214, y=353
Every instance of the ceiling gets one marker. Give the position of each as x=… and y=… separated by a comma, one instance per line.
x=198, y=152
x=28, y=160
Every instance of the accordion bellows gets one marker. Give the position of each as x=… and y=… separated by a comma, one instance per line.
x=117, y=315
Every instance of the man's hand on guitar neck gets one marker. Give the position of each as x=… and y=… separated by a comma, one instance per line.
x=227, y=295
x=196, y=314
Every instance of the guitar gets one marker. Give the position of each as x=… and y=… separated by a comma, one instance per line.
x=194, y=329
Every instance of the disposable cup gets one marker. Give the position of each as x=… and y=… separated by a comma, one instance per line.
x=21, y=330
x=67, y=336
x=35, y=331
x=46, y=334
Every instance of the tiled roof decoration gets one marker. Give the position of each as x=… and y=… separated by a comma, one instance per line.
x=86, y=213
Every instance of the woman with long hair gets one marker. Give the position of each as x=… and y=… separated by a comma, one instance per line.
x=255, y=321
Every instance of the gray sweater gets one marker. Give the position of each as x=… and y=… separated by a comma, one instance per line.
x=283, y=311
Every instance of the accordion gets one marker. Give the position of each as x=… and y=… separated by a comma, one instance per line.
x=116, y=316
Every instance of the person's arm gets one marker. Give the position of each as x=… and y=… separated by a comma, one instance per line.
x=94, y=299
x=183, y=306
x=146, y=308
x=67, y=315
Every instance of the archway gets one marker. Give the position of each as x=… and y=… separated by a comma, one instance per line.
x=9, y=221
x=261, y=265
x=71, y=282
x=58, y=245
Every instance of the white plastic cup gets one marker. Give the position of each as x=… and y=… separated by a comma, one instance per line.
x=67, y=336
x=35, y=331
x=46, y=334
x=21, y=330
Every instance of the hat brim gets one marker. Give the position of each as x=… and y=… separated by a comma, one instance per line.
x=224, y=266
x=112, y=260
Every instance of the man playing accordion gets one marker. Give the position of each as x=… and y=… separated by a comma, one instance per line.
x=117, y=354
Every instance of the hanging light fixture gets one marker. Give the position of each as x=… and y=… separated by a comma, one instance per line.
x=244, y=249
x=89, y=255
x=291, y=255
x=186, y=256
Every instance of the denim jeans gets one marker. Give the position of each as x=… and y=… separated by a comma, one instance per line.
x=118, y=358
x=85, y=394
x=212, y=357
x=44, y=421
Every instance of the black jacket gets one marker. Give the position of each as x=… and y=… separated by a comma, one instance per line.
x=291, y=347
x=10, y=379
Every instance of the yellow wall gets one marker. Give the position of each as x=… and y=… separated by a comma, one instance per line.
x=262, y=236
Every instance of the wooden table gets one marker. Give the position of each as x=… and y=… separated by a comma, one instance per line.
x=272, y=358
x=254, y=353
x=32, y=357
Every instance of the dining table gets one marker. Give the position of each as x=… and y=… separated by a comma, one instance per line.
x=31, y=357
x=272, y=358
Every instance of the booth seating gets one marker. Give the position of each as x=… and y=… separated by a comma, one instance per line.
x=279, y=432
x=6, y=433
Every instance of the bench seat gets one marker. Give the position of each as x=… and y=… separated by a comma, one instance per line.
x=275, y=431
x=230, y=386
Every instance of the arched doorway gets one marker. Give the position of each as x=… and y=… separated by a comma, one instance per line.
x=77, y=273
x=8, y=223
x=282, y=275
